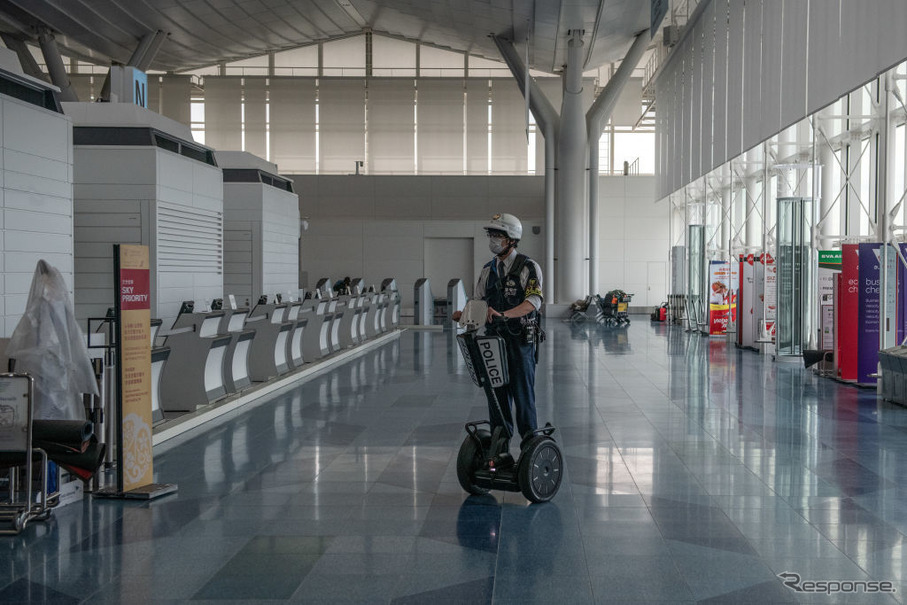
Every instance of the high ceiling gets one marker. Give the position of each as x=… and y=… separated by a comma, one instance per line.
x=206, y=32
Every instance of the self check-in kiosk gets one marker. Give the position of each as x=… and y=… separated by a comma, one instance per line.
x=364, y=305
x=423, y=302
x=336, y=311
x=373, y=314
x=392, y=316
x=236, y=360
x=456, y=298
x=348, y=327
x=316, y=341
x=159, y=356
x=194, y=373
x=325, y=287
x=299, y=317
x=268, y=357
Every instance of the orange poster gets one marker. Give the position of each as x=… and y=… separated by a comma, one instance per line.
x=133, y=302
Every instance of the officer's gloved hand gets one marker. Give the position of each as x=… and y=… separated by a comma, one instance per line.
x=493, y=315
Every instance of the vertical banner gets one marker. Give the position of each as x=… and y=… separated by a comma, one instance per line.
x=719, y=296
x=829, y=268
x=738, y=336
x=770, y=296
x=902, y=288
x=746, y=333
x=133, y=329
x=869, y=303
x=847, y=335
x=758, y=298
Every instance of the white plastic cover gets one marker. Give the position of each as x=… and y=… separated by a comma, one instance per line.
x=48, y=345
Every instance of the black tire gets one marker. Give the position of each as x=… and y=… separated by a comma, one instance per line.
x=541, y=469
x=469, y=460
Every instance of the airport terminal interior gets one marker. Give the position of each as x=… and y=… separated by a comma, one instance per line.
x=237, y=236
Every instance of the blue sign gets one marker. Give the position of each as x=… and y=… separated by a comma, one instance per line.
x=659, y=10
x=140, y=88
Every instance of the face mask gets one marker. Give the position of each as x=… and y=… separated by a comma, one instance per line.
x=496, y=245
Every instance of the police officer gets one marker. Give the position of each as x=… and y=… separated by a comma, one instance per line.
x=511, y=284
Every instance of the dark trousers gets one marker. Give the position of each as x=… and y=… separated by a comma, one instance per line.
x=519, y=395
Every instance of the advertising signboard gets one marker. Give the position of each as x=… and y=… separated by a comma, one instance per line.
x=869, y=301
x=719, y=292
x=846, y=335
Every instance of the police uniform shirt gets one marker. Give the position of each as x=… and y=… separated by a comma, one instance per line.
x=530, y=279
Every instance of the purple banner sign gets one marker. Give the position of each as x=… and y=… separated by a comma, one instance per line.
x=869, y=314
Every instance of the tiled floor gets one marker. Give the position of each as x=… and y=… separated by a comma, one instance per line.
x=694, y=473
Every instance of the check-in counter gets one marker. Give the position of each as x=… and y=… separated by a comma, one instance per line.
x=372, y=314
x=268, y=355
x=299, y=317
x=194, y=373
x=236, y=361
x=159, y=356
x=383, y=304
x=325, y=287
x=335, y=310
x=364, y=305
x=316, y=341
x=348, y=328
x=391, y=317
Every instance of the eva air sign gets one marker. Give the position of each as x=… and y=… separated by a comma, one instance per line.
x=830, y=259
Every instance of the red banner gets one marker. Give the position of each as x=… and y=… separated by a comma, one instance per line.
x=848, y=310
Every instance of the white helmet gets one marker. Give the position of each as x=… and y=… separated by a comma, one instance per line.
x=507, y=223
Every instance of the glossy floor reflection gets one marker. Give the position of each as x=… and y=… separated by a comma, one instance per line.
x=695, y=473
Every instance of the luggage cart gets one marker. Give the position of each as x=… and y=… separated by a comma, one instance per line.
x=615, y=307
x=23, y=494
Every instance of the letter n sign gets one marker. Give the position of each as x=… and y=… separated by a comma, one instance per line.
x=140, y=88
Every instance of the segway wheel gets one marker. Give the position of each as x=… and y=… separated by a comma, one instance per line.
x=469, y=460
x=541, y=469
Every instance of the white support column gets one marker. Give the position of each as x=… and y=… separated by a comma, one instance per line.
x=851, y=177
x=829, y=215
x=550, y=277
x=753, y=219
x=726, y=221
x=571, y=234
x=887, y=319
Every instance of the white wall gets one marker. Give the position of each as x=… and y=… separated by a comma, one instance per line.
x=634, y=239
x=375, y=226
x=36, y=201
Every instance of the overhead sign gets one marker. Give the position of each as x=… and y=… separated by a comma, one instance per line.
x=659, y=10
x=128, y=85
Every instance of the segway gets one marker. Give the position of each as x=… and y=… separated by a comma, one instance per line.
x=484, y=461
